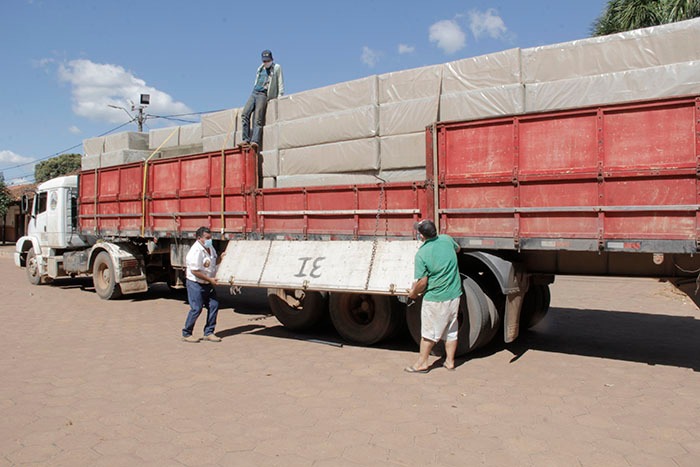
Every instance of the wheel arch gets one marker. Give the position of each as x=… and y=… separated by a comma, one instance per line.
x=22, y=247
x=117, y=252
x=502, y=271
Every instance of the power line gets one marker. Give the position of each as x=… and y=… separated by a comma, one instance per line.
x=63, y=151
x=172, y=118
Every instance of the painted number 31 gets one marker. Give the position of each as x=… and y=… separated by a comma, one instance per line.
x=308, y=262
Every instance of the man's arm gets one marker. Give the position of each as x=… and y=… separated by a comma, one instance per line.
x=280, y=82
x=204, y=277
x=418, y=288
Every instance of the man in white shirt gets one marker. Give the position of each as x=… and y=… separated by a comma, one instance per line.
x=202, y=262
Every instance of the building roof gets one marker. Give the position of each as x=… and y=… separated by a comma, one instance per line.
x=16, y=191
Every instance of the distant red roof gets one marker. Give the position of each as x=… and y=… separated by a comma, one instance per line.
x=16, y=191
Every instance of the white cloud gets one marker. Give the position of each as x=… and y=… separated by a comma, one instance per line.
x=97, y=85
x=448, y=35
x=370, y=57
x=487, y=23
x=9, y=157
x=406, y=49
x=75, y=130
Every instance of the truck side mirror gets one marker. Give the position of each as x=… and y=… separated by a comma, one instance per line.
x=25, y=204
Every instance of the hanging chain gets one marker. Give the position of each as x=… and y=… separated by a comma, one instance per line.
x=379, y=210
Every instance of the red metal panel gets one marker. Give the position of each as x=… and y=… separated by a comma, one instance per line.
x=558, y=224
x=557, y=144
x=650, y=137
x=590, y=173
x=479, y=149
x=486, y=196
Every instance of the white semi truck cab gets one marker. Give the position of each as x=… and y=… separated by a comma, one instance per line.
x=54, y=246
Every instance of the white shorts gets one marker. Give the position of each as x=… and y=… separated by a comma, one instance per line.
x=439, y=320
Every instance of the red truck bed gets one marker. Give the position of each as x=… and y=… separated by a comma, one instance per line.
x=617, y=178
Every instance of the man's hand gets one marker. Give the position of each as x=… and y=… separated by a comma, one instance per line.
x=418, y=288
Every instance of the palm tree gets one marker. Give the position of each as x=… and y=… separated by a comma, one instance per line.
x=624, y=15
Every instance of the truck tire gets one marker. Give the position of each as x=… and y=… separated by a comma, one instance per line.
x=475, y=328
x=103, y=277
x=32, y=268
x=296, y=309
x=496, y=303
x=535, y=306
x=362, y=318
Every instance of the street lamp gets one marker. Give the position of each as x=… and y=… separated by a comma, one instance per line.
x=144, y=101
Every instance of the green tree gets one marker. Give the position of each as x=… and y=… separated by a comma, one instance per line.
x=625, y=15
x=65, y=164
x=5, y=201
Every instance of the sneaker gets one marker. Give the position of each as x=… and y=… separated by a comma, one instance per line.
x=190, y=339
x=211, y=338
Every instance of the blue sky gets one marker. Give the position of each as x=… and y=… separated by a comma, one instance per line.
x=64, y=61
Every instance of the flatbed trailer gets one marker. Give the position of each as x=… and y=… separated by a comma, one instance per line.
x=610, y=190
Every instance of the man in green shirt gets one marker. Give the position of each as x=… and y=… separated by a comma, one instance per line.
x=436, y=274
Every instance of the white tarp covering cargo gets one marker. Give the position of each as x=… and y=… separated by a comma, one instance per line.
x=94, y=146
x=485, y=71
x=411, y=84
x=329, y=99
x=402, y=151
x=219, y=142
x=164, y=137
x=190, y=134
x=407, y=116
x=353, y=266
x=407, y=175
x=328, y=128
x=286, y=181
x=347, y=156
x=641, y=48
x=126, y=140
x=112, y=158
x=270, y=163
x=646, y=83
x=483, y=103
x=223, y=122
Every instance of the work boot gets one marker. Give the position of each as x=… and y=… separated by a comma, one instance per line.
x=190, y=339
x=211, y=338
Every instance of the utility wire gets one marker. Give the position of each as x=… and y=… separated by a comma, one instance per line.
x=58, y=153
x=63, y=151
x=172, y=118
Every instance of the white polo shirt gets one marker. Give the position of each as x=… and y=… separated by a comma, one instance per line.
x=198, y=259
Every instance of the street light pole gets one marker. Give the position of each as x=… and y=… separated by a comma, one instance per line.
x=140, y=116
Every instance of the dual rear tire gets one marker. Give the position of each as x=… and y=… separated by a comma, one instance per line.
x=479, y=319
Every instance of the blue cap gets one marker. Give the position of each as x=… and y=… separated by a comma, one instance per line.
x=266, y=56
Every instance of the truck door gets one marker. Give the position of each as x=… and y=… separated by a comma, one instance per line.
x=37, y=225
x=56, y=218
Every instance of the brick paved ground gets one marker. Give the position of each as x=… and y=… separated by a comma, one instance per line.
x=609, y=378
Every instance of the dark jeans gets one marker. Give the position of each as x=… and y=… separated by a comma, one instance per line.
x=257, y=102
x=199, y=296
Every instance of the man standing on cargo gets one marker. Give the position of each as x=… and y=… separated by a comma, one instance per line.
x=202, y=262
x=269, y=84
x=436, y=274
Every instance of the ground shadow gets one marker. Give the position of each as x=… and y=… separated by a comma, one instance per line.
x=654, y=339
x=635, y=337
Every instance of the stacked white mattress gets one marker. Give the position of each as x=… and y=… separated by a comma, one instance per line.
x=373, y=129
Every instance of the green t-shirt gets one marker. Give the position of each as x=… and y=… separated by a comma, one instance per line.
x=437, y=259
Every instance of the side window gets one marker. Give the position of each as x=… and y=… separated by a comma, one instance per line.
x=74, y=210
x=41, y=200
